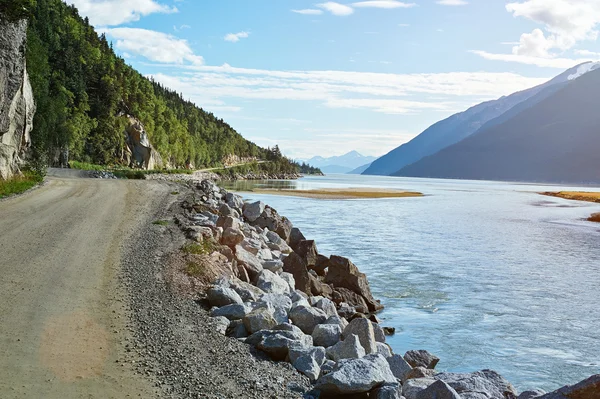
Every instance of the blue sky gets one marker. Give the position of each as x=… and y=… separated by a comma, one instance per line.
x=324, y=78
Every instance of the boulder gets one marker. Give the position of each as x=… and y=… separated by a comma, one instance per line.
x=337, y=320
x=586, y=389
x=271, y=283
x=400, y=368
x=326, y=306
x=327, y=367
x=221, y=296
x=421, y=358
x=307, y=318
x=247, y=291
x=232, y=312
x=344, y=295
x=220, y=323
x=250, y=262
x=379, y=334
x=289, y=278
x=364, y=330
x=321, y=265
x=234, y=201
x=350, y=348
x=271, y=220
x=253, y=211
x=346, y=311
x=420, y=372
x=485, y=382
x=326, y=335
x=438, y=390
x=389, y=331
x=356, y=376
x=277, y=343
x=383, y=349
x=343, y=273
x=317, y=287
x=279, y=305
x=307, y=249
x=228, y=221
x=276, y=266
x=226, y=210
x=236, y=329
x=387, y=391
x=259, y=319
x=412, y=388
x=295, y=237
x=308, y=361
x=251, y=245
x=294, y=265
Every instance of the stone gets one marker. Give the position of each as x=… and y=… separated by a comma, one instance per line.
x=232, y=312
x=250, y=262
x=221, y=296
x=140, y=152
x=308, y=361
x=364, y=330
x=400, y=368
x=586, y=389
x=307, y=318
x=388, y=331
x=289, y=278
x=326, y=306
x=346, y=311
x=221, y=324
x=321, y=265
x=344, y=295
x=228, y=221
x=412, y=388
x=355, y=376
x=337, y=320
x=277, y=343
x=237, y=329
x=271, y=220
x=485, y=382
x=253, y=211
x=274, y=238
x=535, y=394
x=295, y=237
x=343, y=273
x=420, y=372
x=226, y=210
x=349, y=348
x=294, y=265
x=259, y=319
x=317, y=287
x=270, y=282
x=288, y=327
x=232, y=237
x=438, y=390
x=421, y=358
x=383, y=349
x=327, y=367
x=307, y=249
x=387, y=391
x=247, y=291
x=279, y=304
x=379, y=334
x=274, y=266
x=326, y=335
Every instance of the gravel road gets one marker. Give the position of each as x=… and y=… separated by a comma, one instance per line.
x=85, y=310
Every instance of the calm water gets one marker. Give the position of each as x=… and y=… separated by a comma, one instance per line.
x=483, y=274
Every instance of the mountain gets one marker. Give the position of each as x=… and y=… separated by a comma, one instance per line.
x=555, y=140
x=340, y=164
x=360, y=169
x=459, y=126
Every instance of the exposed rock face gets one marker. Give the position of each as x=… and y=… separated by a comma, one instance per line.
x=587, y=389
x=343, y=273
x=17, y=106
x=141, y=153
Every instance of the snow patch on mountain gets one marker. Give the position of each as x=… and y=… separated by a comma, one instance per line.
x=585, y=68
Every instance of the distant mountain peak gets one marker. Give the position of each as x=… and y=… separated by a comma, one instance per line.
x=583, y=69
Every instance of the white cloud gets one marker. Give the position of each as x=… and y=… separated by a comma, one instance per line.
x=383, y=4
x=236, y=37
x=377, y=92
x=452, y=2
x=338, y=9
x=117, y=12
x=155, y=46
x=556, y=62
x=308, y=11
x=587, y=53
x=404, y=25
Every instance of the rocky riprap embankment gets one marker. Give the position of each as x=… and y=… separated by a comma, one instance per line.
x=278, y=294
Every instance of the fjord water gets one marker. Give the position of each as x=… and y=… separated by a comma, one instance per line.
x=482, y=274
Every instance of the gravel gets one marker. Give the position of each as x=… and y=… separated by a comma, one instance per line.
x=178, y=344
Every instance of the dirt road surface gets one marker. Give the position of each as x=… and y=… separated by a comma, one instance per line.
x=63, y=315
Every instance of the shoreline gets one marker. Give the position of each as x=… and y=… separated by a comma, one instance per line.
x=343, y=193
x=299, y=310
x=584, y=196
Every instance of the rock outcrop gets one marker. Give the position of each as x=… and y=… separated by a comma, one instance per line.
x=140, y=152
x=17, y=106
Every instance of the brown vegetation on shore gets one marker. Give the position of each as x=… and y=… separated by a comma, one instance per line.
x=344, y=193
x=579, y=196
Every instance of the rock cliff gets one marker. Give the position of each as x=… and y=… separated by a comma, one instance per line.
x=140, y=152
x=17, y=105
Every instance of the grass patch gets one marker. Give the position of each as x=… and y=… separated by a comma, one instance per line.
x=341, y=193
x=195, y=269
x=203, y=248
x=174, y=192
x=161, y=222
x=170, y=172
x=19, y=184
x=576, y=195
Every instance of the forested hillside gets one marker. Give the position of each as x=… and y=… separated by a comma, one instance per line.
x=82, y=88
